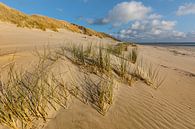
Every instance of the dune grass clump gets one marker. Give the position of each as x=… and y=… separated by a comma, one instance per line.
x=123, y=46
x=115, y=50
x=97, y=60
x=149, y=74
x=103, y=60
x=89, y=50
x=122, y=69
x=26, y=96
x=105, y=95
x=97, y=91
x=78, y=53
x=22, y=100
x=118, y=49
x=133, y=55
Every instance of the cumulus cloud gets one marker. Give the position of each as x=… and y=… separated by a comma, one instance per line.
x=151, y=29
x=144, y=24
x=186, y=9
x=123, y=13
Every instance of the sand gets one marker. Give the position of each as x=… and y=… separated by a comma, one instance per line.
x=171, y=106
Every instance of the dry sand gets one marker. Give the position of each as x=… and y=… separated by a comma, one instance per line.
x=171, y=106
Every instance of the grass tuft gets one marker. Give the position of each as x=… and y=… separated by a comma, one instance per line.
x=27, y=95
x=133, y=55
x=105, y=95
x=149, y=74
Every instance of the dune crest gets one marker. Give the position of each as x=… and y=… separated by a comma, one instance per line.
x=13, y=16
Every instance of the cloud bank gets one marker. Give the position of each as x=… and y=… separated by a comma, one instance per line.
x=123, y=13
x=150, y=29
x=186, y=9
x=135, y=21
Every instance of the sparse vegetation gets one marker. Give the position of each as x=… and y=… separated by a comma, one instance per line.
x=105, y=95
x=97, y=60
x=99, y=93
x=118, y=49
x=121, y=67
x=27, y=95
x=101, y=61
x=133, y=55
x=10, y=15
x=148, y=73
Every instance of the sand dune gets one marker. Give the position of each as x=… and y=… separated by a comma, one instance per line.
x=171, y=106
x=10, y=15
x=136, y=107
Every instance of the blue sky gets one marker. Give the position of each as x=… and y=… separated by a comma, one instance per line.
x=138, y=20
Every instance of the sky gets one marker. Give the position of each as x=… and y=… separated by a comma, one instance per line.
x=130, y=20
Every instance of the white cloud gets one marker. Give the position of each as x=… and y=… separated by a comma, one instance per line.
x=127, y=11
x=154, y=16
x=178, y=34
x=151, y=29
x=144, y=24
x=123, y=13
x=167, y=25
x=138, y=26
x=186, y=9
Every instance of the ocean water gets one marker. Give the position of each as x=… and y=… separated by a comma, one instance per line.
x=189, y=44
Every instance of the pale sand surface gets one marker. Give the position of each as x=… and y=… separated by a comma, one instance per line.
x=172, y=106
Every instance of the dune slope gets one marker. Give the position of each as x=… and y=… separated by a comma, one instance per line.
x=171, y=106
x=13, y=16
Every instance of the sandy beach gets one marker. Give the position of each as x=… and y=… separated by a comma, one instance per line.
x=171, y=106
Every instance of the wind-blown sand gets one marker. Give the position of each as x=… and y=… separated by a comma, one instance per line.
x=171, y=106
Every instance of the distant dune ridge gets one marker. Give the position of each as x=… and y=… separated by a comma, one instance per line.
x=10, y=15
